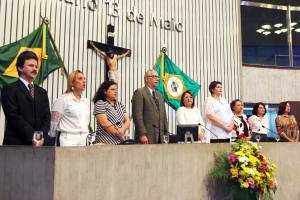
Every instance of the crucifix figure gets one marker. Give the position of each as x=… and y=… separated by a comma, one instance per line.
x=111, y=54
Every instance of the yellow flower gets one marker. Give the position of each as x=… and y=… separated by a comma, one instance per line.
x=273, y=166
x=244, y=185
x=253, y=160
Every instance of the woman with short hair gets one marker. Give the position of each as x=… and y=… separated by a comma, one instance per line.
x=241, y=128
x=219, y=115
x=259, y=123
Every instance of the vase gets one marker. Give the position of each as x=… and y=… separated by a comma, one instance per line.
x=238, y=193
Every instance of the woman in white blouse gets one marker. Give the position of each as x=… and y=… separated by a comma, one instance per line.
x=219, y=115
x=258, y=122
x=188, y=114
x=70, y=113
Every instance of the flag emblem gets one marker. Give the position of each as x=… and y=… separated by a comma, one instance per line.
x=174, y=86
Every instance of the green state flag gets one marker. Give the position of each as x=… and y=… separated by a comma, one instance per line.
x=38, y=41
x=173, y=82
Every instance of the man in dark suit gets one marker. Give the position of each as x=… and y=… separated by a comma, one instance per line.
x=148, y=111
x=25, y=105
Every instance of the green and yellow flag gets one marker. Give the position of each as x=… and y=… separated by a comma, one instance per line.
x=38, y=41
x=173, y=82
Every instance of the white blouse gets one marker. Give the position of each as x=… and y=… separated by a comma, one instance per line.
x=258, y=125
x=69, y=114
x=221, y=109
x=190, y=116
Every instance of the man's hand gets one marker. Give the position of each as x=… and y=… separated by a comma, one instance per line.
x=144, y=139
x=129, y=53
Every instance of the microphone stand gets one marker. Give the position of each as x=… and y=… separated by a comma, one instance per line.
x=270, y=130
x=199, y=124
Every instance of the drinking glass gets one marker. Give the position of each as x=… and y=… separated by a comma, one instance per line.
x=277, y=138
x=126, y=137
x=232, y=139
x=257, y=138
x=37, y=135
x=166, y=139
x=91, y=138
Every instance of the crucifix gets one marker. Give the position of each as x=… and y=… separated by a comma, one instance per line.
x=110, y=53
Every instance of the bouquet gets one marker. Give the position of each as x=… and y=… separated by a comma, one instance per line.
x=248, y=171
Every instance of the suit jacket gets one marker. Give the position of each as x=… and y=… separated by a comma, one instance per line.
x=25, y=114
x=147, y=118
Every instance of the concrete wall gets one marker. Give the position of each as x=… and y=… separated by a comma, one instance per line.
x=26, y=173
x=160, y=172
x=270, y=85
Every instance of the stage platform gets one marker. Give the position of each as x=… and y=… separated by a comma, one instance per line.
x=133, y=172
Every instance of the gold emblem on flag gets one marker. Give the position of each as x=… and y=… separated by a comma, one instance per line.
x=174, y=86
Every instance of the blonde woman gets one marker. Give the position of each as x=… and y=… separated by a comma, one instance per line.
x=70, y=113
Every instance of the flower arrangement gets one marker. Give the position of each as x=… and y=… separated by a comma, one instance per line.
x=249, y=171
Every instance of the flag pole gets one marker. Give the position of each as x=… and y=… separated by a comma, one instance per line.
x=44, y=38
x=162, y=64
x=63, y=68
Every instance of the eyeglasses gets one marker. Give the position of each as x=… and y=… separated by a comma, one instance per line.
x=153, y=76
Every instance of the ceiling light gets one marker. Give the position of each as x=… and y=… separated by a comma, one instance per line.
x=297, y=30
x=278, y=31
x=260, y=30
x=266, y=26
x=293, y=23
x=266, y=32
x=284, y=30
x=278, y=25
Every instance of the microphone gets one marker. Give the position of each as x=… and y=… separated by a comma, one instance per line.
x=269, y=130
x=199, y=124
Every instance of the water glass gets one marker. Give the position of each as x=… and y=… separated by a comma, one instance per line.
x=126, y=137
x=38, y=135
x=277, y=138
x=166, y=139
x=91, y=138
x=257, y=138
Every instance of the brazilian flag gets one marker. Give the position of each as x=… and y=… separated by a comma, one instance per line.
x=40, y=42
x=173, y=82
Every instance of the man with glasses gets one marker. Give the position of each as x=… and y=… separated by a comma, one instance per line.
x=149, y=112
